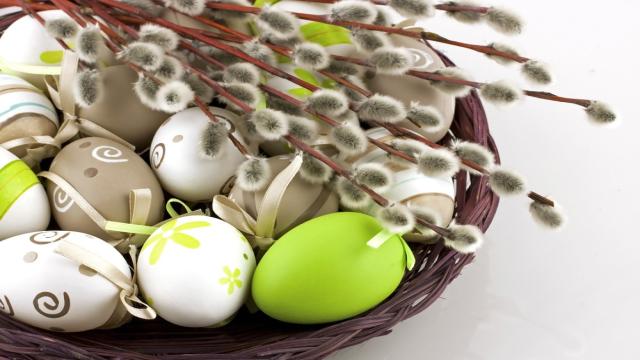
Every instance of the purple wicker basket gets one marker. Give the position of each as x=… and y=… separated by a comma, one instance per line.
x=255, y=336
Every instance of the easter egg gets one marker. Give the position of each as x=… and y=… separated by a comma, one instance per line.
x=177, y=159
x=195, y=271
x=119, y=110
x=411, y=187
x=27, y=47
x=409, y=89
x=45, y=289
x=24, y=111
x=23, y=201
x=300, y=202
x=103, y=173
x=323, y=271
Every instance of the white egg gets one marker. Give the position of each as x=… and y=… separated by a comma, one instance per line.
x=178, y=160
x=195, y=271
x=45, y=289
x=24, y=110
x=411, y=187
x=23, y=202
x=26, y=44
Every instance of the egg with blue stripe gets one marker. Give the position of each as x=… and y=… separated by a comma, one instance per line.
x=23, y=202
x=24, y=112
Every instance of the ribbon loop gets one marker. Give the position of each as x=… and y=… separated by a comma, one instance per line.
x=61, y=93
x=128, y=289
x=260, y=231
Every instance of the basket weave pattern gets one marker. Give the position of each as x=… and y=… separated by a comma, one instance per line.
x=257, y=336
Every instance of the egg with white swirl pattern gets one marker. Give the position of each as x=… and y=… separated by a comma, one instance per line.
x=103, y=173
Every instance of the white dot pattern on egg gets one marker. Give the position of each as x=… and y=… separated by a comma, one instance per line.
x=177, y=159
x=23, y=202
x=45, y=289
x=195, y=271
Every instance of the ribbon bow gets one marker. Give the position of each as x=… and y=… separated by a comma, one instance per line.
x=260, y=231
x=139, y=210
x=129, y=303
x=61, y=93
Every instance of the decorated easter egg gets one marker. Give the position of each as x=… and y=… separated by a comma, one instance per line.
x=23, y=201
x=195, y=271
x=324, y=271
x=24, y=111
x=119, y=110
x=103, y=175
x=177, y=159
x=43, y=288
x=409, y=89
x=27, y=47
x=300, y=201
x=411, y=187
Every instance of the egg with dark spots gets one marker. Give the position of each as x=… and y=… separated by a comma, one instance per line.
x=108, y=177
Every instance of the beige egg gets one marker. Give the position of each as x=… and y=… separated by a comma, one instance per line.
x=120, y=111
x=24, y=111
x=103, y=172
x=409, y=89
x=301, y=201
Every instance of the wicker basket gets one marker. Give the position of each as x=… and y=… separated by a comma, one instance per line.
x=257, y=336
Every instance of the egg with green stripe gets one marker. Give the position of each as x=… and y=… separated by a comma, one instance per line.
x=23, y=201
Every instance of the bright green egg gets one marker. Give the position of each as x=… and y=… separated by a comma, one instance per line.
x=323, y=271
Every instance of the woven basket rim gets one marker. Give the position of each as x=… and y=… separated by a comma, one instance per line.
x=258, y=337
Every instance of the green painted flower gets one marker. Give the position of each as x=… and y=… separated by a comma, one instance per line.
x=231, y=279
x=171, y=231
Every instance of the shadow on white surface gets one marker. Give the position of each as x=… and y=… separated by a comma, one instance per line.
x=534, y=294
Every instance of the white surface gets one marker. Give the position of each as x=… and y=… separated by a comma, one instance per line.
x=533, y=294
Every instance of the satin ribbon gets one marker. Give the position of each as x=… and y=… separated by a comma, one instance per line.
x=385, y=234
x=147, y=230
x=129, y=301
x=139, y=211
x=260, y=231
x=38, y=148
x=61, y=93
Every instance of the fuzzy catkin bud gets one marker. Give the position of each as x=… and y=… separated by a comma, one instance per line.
x=392, y=61
x=88, y=44
x=253, y=174
x=213, y=139
x=87, y=87
x=382, y=108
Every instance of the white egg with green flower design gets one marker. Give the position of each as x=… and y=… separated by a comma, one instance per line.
x=195, y=271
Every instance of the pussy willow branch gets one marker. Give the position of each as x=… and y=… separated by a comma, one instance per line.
x=340, y=170
x=115, y=43
x=443, y=7
x=391, y=30
x=394, y=129
x=425, y=36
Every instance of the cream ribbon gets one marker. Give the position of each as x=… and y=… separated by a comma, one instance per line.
x=261, y=230
x=61, y=93
x=139, y=210
x=39, y=148
x=129, y=301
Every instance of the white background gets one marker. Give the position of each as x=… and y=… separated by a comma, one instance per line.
x=533, y=294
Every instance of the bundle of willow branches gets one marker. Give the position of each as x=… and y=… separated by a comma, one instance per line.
x=164, y=54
